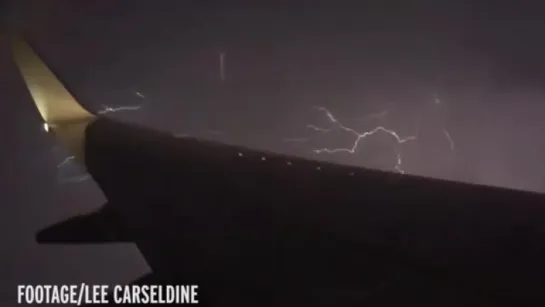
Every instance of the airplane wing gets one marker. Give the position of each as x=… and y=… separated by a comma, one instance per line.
x=61, y=113
x=253, y=227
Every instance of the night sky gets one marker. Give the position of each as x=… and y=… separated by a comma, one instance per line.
x=464, y=79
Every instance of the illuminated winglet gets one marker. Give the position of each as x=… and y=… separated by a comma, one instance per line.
x=61, y=113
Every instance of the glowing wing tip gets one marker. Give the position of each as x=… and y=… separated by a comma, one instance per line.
x=61, y=113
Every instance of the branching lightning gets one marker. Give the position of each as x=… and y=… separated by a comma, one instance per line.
x=336, y=125
x=358, y=136
x=108, y=109
x=70, y=159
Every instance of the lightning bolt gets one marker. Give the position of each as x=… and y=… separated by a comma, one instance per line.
x=70, y=159
x=71, y=179
x=359, y=136
x=107, y=109
x=437, y=100
x=375, y=115
x=398, y=165
x=315, y=128
x=449, y=138
x=65, y=161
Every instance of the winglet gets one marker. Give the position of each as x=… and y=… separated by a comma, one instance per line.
x=61, y=113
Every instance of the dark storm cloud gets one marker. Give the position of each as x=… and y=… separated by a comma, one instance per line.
x=484, y=62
